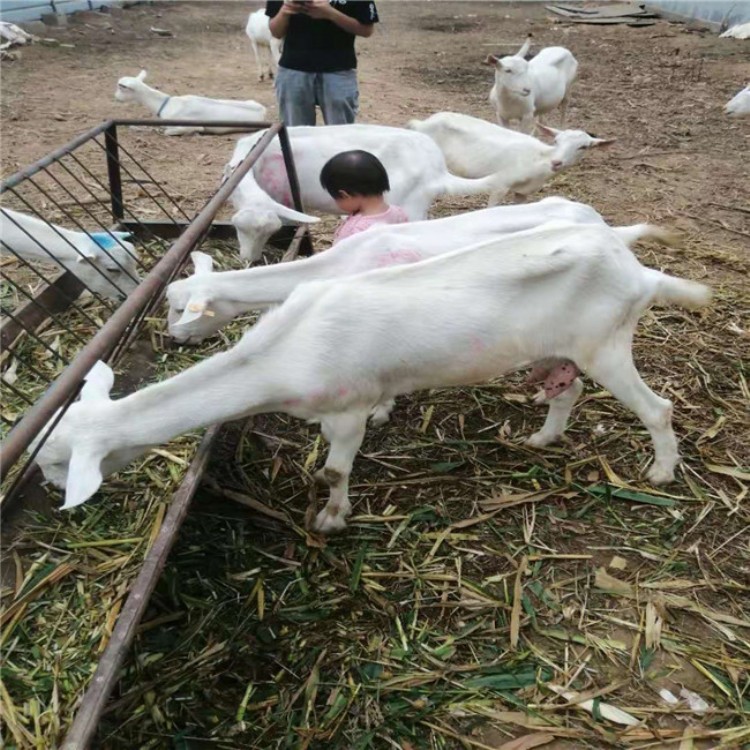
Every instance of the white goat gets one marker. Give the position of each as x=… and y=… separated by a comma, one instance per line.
x=13, y=35
x=739, y=104
x=739, y=31
x=103, y=261
x=205, y=302
x=477, y=148
x=525, y=89
x=260, y=35
x=333, y=350
x=416, y=172
x=188, y=107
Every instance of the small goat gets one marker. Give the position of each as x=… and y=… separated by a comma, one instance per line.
x=103, y=261
x=416, y=171
x=739, y=104
x=187, y=107
x=205, y=302
x=334, y=350
x=477, y=148
x=260, y=36
x=526, y=89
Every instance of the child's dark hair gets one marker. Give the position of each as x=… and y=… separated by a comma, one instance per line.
x=356, y=172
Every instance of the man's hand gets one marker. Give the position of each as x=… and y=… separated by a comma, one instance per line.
x=320, y=9
x=290, y=8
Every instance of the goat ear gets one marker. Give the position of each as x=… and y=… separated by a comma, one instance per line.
x=603, y=142
x=141, y=76
x=194, y=309
x=490, y=60
x=525, y=47
x=203, y=263
x=84, y=477
x=99, y=382
x=295, y=217
x=91, y=251
x=544, y=130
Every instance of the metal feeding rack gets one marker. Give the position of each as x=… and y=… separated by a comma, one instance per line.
x=95, y=184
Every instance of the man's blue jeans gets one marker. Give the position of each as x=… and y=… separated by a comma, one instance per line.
x=297, y=93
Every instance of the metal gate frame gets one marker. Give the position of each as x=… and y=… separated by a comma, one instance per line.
x=110, y=343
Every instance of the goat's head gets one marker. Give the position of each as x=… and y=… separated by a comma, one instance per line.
x=571, y=145
x=127, y=86
x=194, y=312
x=107, y=264
x=80, y=450
x=512, y=73
x=255, y=226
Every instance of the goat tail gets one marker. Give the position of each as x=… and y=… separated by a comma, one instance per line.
x=671, y=290
x=415, y=124
x=631, y=234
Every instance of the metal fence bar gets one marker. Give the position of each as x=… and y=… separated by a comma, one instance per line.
x=52, y=157
x=105, y=339
x=113, y=171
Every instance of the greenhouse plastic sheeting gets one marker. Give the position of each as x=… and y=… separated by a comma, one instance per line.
x=729, y=12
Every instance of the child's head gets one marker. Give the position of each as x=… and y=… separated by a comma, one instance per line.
x=353, y=175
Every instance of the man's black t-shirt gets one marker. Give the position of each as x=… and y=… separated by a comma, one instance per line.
x=319, y=46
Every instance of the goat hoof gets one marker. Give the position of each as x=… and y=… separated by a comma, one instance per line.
x=326, y=523
x=379, y=418
x=540, y=440
x=659, y=475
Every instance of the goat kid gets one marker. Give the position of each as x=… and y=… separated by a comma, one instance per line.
x=187, y=107
x=416, y=172
x=261, y=38
x=103, y=261
x=526, y=89
x=332, y=351
x=477, y=148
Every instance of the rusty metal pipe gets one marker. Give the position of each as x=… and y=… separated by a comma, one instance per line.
x=52, y=157
x=103, y=342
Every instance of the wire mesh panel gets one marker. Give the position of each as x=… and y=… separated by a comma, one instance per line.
x=81, y=230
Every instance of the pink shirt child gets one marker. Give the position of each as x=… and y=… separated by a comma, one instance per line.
x=358, y=222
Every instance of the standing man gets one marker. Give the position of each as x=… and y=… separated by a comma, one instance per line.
x=318, y=64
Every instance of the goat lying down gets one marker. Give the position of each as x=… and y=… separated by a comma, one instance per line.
x=332, y=351
x=205, y=302
x=103, y=261
x=187, y=106
x=416, y=171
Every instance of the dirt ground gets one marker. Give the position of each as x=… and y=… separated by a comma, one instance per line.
x=677, y=161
